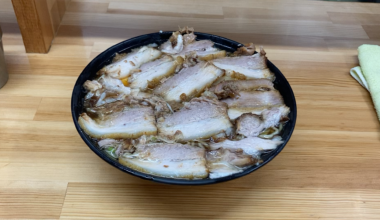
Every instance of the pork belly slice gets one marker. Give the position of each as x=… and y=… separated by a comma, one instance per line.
x=103, y=112
x=185, y=45
x=231, y=88
x=131, y=62
x=188, y=35
x=224, y=162
x=249, y=125
x=246, y=67
x=160, y=106
x=196, y=46
x=198, y=119
x=168, y=160
x=246, y=50
x=114, y=90
x=174, y=44
x=178, y=41
x=251, y=145
x=272, y=116
x=136, y=98
x=130, y=122
x=210, y=54
x=254, y=102
x=152, y=72
x=92, y=85
x=203, y=51
x=189, y=82
x=188, y=38
x=104, y=90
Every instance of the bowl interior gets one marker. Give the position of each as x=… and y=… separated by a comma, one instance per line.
x=105, y=58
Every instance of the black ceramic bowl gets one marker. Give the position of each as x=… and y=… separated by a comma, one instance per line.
x=105, y=58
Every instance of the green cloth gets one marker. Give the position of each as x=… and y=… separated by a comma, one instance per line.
x=369, y=58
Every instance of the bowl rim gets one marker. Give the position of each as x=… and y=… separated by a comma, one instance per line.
x=165, y=180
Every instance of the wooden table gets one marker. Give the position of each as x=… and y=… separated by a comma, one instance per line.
x=330, y=169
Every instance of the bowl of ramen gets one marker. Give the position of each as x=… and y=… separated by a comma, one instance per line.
x=184, y=107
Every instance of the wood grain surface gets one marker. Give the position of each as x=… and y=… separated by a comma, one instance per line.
x=330, y=169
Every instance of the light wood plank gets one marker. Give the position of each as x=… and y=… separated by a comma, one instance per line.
x=354, y=18
x=275, y=14
x=42, y=86
x=271, y=41
x=373, y=31
x=92, y=7
x=46, y=65
x=355, y=7
x=100, y=47
x=342, y=113
x=157, y=8
x=328, y=6
x=312, y=56
x=199, y=202
x=348, y=45
x=54, y=109
x=31, y=200
x=70, y=51
x=14, y=49
x=18, y=108
x=11, y=34
x=87, y=35
x=301, y=28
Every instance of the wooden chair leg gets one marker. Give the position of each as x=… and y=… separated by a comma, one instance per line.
x=37, y=23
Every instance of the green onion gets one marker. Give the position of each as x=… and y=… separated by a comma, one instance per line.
x=110, y=151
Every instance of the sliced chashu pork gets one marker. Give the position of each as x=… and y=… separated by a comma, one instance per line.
x=274, y=115
x=185, y=45
x=168, y=160
x=210, y=54
x=125, y=122
x=189, y=38
x=174, y=44
x=231, y=88
x=246, y=67
x=251, y=125
x=189, y=82
x=160, y=106
x=199, y=118
x=131, y=62
x=246, y=50
x=178, y=40
x=251, y=145
x=203, y=50
x=224, y=162
x=188, y=35
x=152, y=72
x=104, y=90
x=254, y=102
